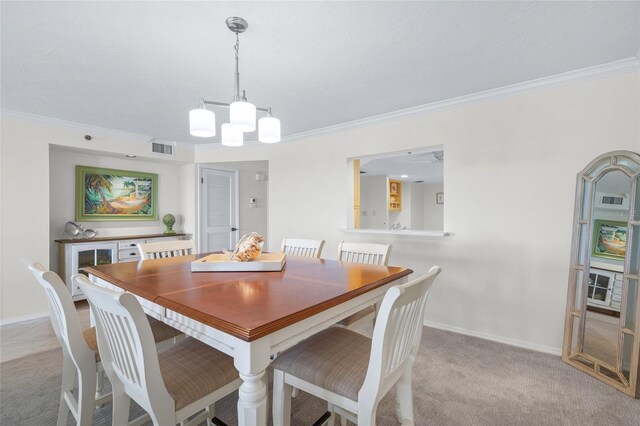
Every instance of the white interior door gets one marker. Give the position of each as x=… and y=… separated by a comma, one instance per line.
x=219, y=210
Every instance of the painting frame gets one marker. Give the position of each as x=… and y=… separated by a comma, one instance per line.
x=91, y=199
x=596, y=245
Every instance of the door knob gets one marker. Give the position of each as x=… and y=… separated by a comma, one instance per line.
x=234, y=229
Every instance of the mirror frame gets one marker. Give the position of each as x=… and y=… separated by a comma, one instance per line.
x=580, y=265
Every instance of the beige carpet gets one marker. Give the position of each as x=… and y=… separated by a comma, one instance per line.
x=458, y=380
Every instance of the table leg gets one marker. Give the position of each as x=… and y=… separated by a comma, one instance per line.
x=252, y=360
x=252, y=400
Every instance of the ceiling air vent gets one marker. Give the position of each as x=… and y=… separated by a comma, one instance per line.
x=161, y=148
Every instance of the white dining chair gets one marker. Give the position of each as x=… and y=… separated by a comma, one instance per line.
x=80, y=355
x=366, y=253
x=162, y=249
x=171, y=385
x=302, y=247
x=352, y=372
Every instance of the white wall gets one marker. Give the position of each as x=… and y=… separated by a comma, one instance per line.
x=503, y=277
x=433, y=212
x=24, y=216
x=251, y=219
x=373, y=202
x=62, y=177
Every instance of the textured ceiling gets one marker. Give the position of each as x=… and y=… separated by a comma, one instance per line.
x=140, y=66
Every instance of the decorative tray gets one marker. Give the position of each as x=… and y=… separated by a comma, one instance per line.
x=220, y=262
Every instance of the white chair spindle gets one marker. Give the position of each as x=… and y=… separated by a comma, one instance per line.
x=166, y=249
x=302, y=248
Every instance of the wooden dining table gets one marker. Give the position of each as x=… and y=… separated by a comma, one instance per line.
x=251, y=315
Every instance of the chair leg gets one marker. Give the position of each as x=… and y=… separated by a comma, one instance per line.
x=366, y=418
x=367, y=408
x=281, y=399
x=331, y=421
x=100, y=376
x=68, y=376
x=404, y=396
x=121, y=405
x=164, y=415
x=211, y=413
x=86, y=396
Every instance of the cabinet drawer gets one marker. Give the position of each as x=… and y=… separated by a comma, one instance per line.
x=131, y=254
x=124, y=245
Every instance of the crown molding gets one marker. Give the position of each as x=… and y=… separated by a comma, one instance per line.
x=87, y=128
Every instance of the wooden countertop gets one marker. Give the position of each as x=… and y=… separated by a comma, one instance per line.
x=248, y=305
x=126, y=237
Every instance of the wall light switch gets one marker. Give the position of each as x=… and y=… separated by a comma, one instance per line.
x=252, y=202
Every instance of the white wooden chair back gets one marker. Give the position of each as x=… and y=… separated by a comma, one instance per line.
x=64, y=317
x=162, y=249
x=126, y=344
x=300, y=247
x=371, y=254
x=396, y=336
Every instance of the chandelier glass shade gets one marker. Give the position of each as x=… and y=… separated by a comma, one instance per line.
x=231, y=136
x=202, y=123
x=269, y=130
x=242, y=114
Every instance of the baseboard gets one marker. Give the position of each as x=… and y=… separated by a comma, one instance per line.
x=486, y=336
x=24, y=318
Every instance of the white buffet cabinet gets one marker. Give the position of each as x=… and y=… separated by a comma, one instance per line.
x=604, y=286
x=75, y=254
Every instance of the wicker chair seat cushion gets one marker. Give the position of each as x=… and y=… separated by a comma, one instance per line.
x=335, y=359
x=192, y=370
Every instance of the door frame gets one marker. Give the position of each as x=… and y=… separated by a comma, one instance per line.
x=199, y=186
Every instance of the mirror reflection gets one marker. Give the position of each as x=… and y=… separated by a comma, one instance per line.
x=403, y=191
x=606, y=270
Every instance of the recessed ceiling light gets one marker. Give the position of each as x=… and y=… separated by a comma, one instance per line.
x=404, y=176
x=130, y=156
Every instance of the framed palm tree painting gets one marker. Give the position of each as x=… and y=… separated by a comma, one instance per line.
x=109, y=194
x=609, y=239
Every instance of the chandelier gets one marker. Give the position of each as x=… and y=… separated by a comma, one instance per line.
x=242, y=114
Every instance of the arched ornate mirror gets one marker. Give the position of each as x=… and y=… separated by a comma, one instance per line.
x=602, y=327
